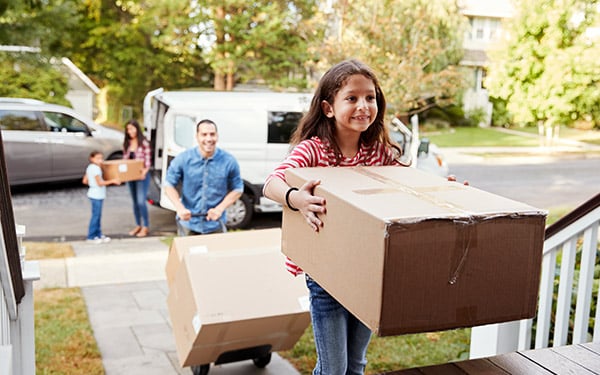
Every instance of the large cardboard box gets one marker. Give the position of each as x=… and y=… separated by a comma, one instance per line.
x=228, y=301
x=248, y=239
x=407, y=252
x=125, y=170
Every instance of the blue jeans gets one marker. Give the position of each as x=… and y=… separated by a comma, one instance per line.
x=185, y=231
x=139, y=195
x=94, y=230
x=341, y=339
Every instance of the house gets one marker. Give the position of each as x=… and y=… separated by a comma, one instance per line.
x=82, y=91
x=485, y=28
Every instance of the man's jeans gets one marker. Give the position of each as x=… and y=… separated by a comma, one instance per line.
x=94, y=230
x=341, y=339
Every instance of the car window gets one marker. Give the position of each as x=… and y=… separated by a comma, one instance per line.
x=60, y=122
x=282, y=125
x=19, y=120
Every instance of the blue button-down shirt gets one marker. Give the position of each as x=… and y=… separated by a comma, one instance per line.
x=204, y=184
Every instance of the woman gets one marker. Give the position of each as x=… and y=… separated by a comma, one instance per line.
x=135, y=146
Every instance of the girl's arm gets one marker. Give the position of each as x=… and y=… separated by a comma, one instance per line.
x=101, y=182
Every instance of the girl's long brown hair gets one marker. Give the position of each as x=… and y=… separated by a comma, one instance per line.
x=315, y=124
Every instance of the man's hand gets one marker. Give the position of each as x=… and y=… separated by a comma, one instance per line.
x=184, y=214
x=214, y=214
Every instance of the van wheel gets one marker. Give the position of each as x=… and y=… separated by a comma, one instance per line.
x=239, y=214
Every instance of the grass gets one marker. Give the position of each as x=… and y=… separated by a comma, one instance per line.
x=64, y=341
x=494, y=137
x=47, y=250
x=481, y=137
x=392, y=353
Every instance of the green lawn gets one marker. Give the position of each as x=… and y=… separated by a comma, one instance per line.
x=494, y=137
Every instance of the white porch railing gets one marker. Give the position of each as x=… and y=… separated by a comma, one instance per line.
x=567, y=292
x=17, y=339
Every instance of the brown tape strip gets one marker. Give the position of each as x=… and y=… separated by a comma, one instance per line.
x=419, y=194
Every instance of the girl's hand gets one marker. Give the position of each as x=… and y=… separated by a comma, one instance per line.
x=308, y=204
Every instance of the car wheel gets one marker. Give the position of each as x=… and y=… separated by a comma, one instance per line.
x=239, y=214
x=115, y=156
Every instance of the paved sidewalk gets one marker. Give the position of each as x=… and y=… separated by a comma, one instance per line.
x=123, y=283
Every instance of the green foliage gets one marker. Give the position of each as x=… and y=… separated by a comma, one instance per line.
x=31, y=76
x=259, y=41
x=547, y=69
x=414, y=46
x=500, y=114
x=138, y=46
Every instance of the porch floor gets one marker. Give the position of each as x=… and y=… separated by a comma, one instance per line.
x=581, y=359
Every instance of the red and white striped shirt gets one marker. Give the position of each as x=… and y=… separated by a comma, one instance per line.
x=317, y=153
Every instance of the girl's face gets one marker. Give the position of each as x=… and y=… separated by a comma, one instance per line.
x=354, y=107
x=131, y=131
x=97, y=159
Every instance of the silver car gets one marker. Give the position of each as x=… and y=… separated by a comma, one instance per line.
x=47, y=142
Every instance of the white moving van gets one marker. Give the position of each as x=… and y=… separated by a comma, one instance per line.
x=254, y=126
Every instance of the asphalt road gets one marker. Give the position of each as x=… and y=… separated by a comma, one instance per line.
x=61, y=212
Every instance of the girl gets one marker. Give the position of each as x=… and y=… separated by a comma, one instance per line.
x=96, y=194
x=343, y=127
x=135, y=146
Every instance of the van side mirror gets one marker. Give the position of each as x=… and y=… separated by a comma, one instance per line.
x=424, y=146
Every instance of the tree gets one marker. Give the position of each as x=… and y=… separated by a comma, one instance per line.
x=137, y=46
x=29, y=24
x=414, y=46
x=31, y=75
x=547, y=70
x=258, y=40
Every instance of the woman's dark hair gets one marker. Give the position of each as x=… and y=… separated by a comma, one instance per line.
x=315, y=123
x=140, y=135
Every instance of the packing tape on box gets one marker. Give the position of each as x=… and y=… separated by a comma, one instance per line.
x=465, y=223
x=419, y=194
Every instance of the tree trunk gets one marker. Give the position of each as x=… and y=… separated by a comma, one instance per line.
x=219, y=82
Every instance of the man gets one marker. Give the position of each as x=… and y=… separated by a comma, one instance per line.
x=211, y=182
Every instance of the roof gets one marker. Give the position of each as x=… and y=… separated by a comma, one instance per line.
x=85, y=79
x=487, y=8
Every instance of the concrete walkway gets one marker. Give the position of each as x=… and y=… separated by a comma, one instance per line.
x=123, y=283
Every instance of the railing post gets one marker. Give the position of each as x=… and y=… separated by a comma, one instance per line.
x=493, y=339
x=23, y=329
